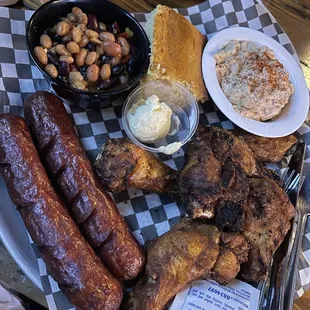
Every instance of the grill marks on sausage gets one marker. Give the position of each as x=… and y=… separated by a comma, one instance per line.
x=80, y=208
x=82, y=199
x=108, y=240
x=60, y=172
x=48, y=145
x=91, y=206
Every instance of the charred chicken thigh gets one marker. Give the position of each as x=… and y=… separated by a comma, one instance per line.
x=213, y=178
x=121, y=164
x=268, y=212
x=224, y=145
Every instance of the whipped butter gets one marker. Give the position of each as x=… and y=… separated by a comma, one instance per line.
x=149, y=120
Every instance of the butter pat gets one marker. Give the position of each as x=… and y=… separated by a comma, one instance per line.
x=149, y=120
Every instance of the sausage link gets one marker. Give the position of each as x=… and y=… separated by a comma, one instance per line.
x=69, y=258
x=92, y=207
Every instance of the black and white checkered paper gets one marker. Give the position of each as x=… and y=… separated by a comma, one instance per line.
x=148, y=215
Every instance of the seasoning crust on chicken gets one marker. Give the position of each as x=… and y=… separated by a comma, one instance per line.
x=234, y=251
x=189, y=251
x=221, y=183
x=213, y=181
x=267, y=220
x=184, y=254
x=225, y=144
x=269, y=150
x=121, y=164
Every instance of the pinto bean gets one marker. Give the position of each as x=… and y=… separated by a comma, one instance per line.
x=62, y=28
x=76, y=34
x=82, y=19
x=93, y=73
x=105, y=72
x=82, y=27
x=76, y=11
x=73, y=47
x=51, y=70
x=95, y=41
x=84, y=41
x=68, y=59
x=80, y=57
x=106, y=36
x=91, y=34
x=102, y=26
x=71, y=17
x=45, y=41
x=124, y=45
x=41, y=55
x=61, y=50
x=91, y=58
x=111, y=48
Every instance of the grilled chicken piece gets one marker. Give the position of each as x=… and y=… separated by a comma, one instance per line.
x=220, y=180
x=234, y=251
x=212, y=184
x=121, y=164
x=225, y=144
x=267, y=220
x=267, y=149
x=213, y=181
x=188, y=252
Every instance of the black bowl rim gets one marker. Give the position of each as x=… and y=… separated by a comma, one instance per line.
x=132, y=83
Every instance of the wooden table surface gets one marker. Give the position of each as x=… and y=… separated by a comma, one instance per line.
x=293, y=16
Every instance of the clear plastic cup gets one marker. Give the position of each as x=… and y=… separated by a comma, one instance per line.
x=184, y=108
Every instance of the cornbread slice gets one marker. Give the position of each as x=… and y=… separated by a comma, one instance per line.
x=176, y=50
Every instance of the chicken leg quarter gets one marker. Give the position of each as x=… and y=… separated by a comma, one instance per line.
x=189, y=251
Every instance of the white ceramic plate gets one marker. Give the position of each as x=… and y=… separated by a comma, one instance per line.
x=294, y=113
x=14, y=236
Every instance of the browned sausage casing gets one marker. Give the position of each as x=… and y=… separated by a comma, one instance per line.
x=91, y=206
x=69, y=258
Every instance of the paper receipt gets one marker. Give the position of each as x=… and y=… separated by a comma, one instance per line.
x=209, y=295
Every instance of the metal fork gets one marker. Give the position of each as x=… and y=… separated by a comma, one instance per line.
x=291, y=179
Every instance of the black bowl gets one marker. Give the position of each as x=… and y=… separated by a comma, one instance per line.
x=49, y=14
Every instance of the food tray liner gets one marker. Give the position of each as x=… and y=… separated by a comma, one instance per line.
x=148, y=215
